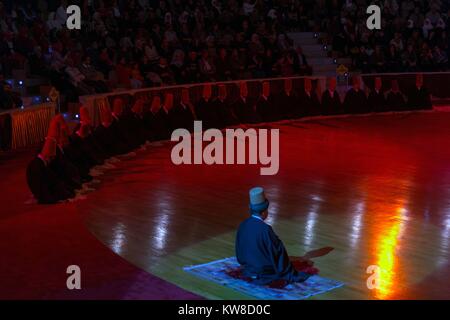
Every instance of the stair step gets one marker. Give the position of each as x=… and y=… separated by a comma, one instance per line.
x=305, y=41
x=320, y=61
x=301, y=34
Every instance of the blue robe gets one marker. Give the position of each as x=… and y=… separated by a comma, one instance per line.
x=262, y=255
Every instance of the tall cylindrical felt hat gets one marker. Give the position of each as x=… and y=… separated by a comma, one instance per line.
x=258, y=200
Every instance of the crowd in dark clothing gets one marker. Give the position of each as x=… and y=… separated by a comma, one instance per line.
x=144, y=43
x=414, y=35
x=65, y=162
x=9, y=99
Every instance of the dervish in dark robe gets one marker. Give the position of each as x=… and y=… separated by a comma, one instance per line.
x=245, y=110
x=395, y=101
x=157, y=120
x=43, y=182
x=61, y=165
x=286, y=104
x=72, y=153
x=331, y=103
x=181, y=116
x=121, y=125
x=265, y=107
x=222, y=104
x=66, y=170
x=377, y=101
x=80, y=140
x=259, y=251
x=207, y=113
x=107, y=137
x=419, y=98
x=136, y=129
x=355, y=101
x=309, y=105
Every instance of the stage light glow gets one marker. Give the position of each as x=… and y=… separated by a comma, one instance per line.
x=387, y=246
x=119, y=238
x=356, y=224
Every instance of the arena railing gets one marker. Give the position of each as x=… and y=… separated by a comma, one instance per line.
x=24, y=127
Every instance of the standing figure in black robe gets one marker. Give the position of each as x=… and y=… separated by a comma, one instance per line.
x=121, y=125
x=181, y=115
x=97, y=150
x=107, y=135
x=82, y=140
x=137, y=129
x=395, y=100
x=157, y=120
x=309, y=103
x=419, y=97
x=331, y=101
x=86, y=119
x=377, y=101
x=61, y=164
x=265, y=106
x=43, y=182
x=355, y=100
x=244, y=107
x=287, y=101
x=72, y=153
x=205, y=110
x=259, y=251
x=227, y=117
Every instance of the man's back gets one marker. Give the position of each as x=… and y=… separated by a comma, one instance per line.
x=261, y=253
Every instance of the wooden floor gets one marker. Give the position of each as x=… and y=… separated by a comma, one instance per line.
x=375, y=188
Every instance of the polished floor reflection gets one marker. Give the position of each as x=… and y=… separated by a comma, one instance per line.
x=375, y=188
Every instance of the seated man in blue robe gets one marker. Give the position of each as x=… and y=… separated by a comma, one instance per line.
x=259, y=251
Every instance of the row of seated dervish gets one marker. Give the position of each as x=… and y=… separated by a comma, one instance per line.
x=66, y=158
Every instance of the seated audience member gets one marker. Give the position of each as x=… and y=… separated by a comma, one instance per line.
x=355, y=100
x=331, y=101
x=300, y=63
x=244, y=107
x=206, y=66
x=43, y=182
x=376, y=99
x=259, y=251
x=205, y=110
x=419, y=97
x=286, y=101
x=78, y=79
x=395, y=100
x=181, y=115
x=93, y=77
x=157, y=120
x=264, y=104
x=308, y=101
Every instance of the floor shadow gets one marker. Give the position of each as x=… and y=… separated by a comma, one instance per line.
x=317, y=253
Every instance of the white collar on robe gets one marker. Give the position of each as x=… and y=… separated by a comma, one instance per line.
x=257, y=217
